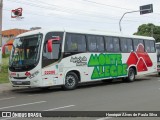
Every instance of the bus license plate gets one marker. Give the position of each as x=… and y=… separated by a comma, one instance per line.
x=19, y=82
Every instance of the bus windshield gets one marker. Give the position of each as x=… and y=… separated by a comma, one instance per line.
x=25, y=51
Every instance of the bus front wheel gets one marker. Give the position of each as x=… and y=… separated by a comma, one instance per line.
x=71, y=81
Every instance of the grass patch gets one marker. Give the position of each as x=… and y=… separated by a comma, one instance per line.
x=4, y=70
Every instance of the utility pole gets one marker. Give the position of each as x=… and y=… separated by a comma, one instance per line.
x=120, y=28
x=1, y=6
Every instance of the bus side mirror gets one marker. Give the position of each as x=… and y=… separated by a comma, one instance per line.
x=49, y=43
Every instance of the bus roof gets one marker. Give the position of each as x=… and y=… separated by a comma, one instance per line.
x=84, y=31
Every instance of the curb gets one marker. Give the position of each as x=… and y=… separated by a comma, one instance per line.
x=4, y=87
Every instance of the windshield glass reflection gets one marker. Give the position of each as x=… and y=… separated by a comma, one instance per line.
x=25, y=51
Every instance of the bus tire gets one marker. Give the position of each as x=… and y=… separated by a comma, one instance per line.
x=131, y=75
x=158, y=73
x=71, y=81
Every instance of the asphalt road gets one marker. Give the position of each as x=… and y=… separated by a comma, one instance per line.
x=141, y=95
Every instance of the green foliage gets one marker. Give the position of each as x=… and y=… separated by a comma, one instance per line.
x=4, y=71
x=149, y=30
x=5, y=55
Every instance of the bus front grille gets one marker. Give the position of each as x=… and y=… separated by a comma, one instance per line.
x=19, y=77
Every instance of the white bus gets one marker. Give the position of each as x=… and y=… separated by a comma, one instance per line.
x=158, y=57
x=45, y=58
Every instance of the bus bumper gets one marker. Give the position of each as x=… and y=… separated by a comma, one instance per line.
x=25, y=83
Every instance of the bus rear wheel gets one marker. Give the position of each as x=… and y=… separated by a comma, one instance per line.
x=71, y=81
x=131, y=75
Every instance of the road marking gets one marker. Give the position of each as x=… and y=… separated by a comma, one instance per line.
x=22, y=105
x=7, y=98
x=104, y=118
x=59, y=108
x=7, y=118
x=34, y=94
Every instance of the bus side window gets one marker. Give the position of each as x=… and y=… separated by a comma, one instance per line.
x=141, y=41
x=92, y=43
x=135, y=44
x=109, y=44
x=82, y=44
x=130, y=45
x=126, y=45
x=116, y=44
x=100, y=43
x=123, y=44
x=75, y=43
x=71, y=43
x=147, y=46
x=152, y=45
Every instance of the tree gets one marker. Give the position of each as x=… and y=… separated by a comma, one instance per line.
x=149, y=30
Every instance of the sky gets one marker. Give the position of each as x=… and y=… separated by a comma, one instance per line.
x=100, y=15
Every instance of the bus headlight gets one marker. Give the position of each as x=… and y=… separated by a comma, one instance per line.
x=34, y=74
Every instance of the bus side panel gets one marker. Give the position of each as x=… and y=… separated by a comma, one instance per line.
x=50, y=75
x=149, y=67
x=143, y=62
x=77, y=62
x=99, y=66
x=96, y=66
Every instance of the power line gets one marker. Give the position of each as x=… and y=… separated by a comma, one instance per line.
x=75, y=18
x=87, y=12
x=102, y=4
x=59, y=9
x=64, y=17
x=50, y=8
x=66, y=25
x=106, y=5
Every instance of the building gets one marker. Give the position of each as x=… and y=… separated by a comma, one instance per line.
x=8, y=38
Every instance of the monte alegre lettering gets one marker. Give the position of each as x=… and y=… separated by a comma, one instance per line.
x=107, y=65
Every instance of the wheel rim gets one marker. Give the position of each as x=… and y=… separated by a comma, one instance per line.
x=131, y=75
x=70, y=81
